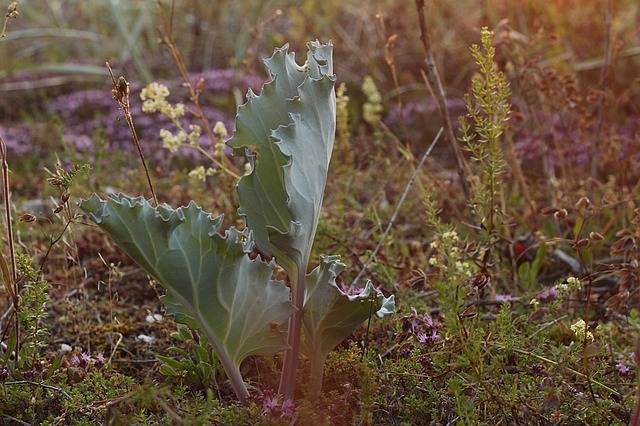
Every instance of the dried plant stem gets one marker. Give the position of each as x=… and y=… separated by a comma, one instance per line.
x=604, y=78
x=394, y=216
x=12, y=252
x=434, y=83
x=121, y=95
x=12, y=13
x=194, y=91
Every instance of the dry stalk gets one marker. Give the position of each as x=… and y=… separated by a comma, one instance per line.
x=434, y=83
x=394, y=216
x=12, y=13
x=12, y=252
x=166, y=36
x=120, y=93
x=604, y=80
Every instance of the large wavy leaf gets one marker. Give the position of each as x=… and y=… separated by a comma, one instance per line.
x=331, y=315
x=210, y=280
x=288, y=132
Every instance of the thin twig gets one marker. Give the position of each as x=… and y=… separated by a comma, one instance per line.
x=7, y=206
x=604, y=78
x=366, y=264
x=13, y=419
x=194, y=91
x=365, y=344
x=42, y=385
x=121, y=95
x=52, y=243
x=434, y=83
x=115, y=348
x=12, y=250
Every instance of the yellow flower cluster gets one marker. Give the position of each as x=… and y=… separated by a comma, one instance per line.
x=173, y=141
x=200, y=173
x=448, y=255
x=220, y=130
x=154, y=99
x=580, y=330
x=372, y=108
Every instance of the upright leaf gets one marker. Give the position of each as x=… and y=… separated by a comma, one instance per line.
x=210, y=280
x=331, y=315
x=288, y=132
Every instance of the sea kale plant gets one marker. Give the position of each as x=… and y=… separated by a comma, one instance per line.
x=287, y=134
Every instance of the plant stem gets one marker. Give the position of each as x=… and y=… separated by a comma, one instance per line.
x=434, y=83
x=316, y=375
x=12, y=251
x=232, y=371
x=194, y=91
x=604, y=74
x=365, y=266
x=290, y=363
x=121, y=95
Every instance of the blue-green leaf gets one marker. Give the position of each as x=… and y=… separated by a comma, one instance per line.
x=288, y=133
x=331, y=315
x=211, y=282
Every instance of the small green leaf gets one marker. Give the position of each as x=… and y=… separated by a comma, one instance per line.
x=168, y=371
x=173, y=363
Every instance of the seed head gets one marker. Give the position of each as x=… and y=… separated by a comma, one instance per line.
x=582, y=203
x=27, y=218
x=561, y=214
x=596, y=236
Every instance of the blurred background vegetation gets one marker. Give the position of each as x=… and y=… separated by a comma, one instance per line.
x=59, y=45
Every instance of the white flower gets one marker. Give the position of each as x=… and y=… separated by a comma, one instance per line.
x=170, y=141
x=194, y=134
x=199, y=174
x=220, y=130
x=580, y=330
x=154, y=92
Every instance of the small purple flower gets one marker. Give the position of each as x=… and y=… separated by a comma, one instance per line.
x=4, y=374
x=99, y=360
x=549, y=294
x=75, y=361
x=30, y=374
x=85, y=359
x=623, y=369
x=423, y=327
x=271, y=406
x=537, y=369
x=505, y=298
x=427, y=339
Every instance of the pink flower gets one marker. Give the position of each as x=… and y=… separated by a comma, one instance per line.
x=623, y=370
